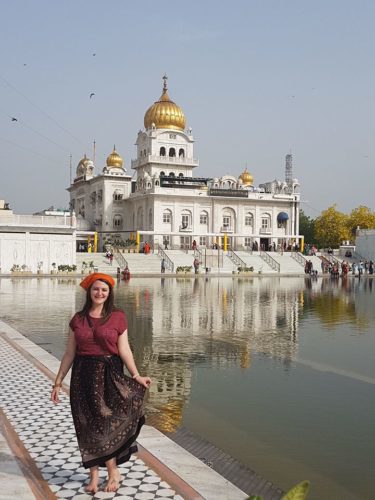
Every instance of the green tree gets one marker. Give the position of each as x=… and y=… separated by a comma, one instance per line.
x=362, y=217
x=306, y=227
x=331, y=228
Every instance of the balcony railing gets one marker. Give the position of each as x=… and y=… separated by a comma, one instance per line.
x=265, y=230
x=171, y=160
x=226, y=228
x=186, y=228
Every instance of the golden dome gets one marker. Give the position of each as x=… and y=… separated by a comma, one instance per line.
x=84, y=162
x=164, y=113
x=114, y=159
x=83, y=166
x=246, y=178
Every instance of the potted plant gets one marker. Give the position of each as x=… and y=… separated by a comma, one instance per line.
x=53, y=270
x=39, y=267
x=15, y=269
x=245, y=270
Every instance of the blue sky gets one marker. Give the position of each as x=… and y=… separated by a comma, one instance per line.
x=256, y=80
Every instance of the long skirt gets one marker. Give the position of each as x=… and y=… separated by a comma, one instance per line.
x=107, y=409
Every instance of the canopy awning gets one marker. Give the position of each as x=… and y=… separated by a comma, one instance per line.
x=282, y=217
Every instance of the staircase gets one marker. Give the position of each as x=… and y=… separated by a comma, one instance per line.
x=181, y=258
x=254, y=260
x=287, y=264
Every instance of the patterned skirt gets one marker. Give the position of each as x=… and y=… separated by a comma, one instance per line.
x=107, y=409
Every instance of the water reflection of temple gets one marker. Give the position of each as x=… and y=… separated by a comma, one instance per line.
x=218, y=322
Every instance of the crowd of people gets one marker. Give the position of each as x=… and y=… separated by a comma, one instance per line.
x=344, y=268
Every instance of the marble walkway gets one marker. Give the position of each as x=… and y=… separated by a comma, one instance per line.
x=39, y=456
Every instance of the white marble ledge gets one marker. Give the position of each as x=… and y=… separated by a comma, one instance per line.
x=44, y=357
x=13, y=483
x=206, y=481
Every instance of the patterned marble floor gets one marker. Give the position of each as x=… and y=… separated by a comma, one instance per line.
x=47, y=433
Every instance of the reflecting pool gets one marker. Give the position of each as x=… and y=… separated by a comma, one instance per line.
x=278, y=372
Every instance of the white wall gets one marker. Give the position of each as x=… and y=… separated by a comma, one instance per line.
x=365, y=244
x=29, y=248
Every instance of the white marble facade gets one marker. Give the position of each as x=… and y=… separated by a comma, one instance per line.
x=168, y=203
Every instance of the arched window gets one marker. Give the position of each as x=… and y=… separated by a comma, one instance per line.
x=172, y=152
x=162, y=151
x=203, y=218
x=117, y=221
x=265, y=223
x=162, y=174
x=186, y=219
x=172, y=174
x=167, y=217
x=180, y=175
x=117, y=195
x=181, y=153
x=156, y=183
x=228, y=215
x=249, y=219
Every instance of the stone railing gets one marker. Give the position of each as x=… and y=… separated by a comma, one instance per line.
x=236, y=259
x=298, y=257
x=270, y=260
x=168, y=263
x=120, y=259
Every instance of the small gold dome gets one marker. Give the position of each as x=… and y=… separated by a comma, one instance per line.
x=84, y=162
x=83, y=166
x=246, y=178
x=114, y=159
x=164, y=113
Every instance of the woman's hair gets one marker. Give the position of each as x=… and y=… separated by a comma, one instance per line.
x=108, y=306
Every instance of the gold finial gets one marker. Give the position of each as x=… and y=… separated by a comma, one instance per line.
x=165, y=87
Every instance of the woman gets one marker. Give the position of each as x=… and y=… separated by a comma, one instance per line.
x=107, y=406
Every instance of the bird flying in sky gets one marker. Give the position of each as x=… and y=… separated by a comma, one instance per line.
x=92, y=94
x=14, y=119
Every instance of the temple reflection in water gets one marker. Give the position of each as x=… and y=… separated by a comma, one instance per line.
x=218, y=322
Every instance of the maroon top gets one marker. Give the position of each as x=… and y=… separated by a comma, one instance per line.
x=99, y=338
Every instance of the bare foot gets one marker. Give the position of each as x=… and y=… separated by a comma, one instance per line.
x=113, y=482
x=92, y=487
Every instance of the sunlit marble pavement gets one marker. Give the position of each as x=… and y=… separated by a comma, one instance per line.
x=47, y=433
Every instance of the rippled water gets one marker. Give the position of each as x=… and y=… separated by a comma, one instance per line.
x=278, y=372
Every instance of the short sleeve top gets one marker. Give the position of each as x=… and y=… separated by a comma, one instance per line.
x=99, y=338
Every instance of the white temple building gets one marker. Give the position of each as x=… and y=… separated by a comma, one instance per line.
x=168, y=205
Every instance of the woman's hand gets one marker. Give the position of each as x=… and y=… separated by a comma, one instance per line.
x=55, y=394
x=145, y=381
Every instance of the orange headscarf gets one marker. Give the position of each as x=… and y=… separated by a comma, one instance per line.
x=89, y=280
